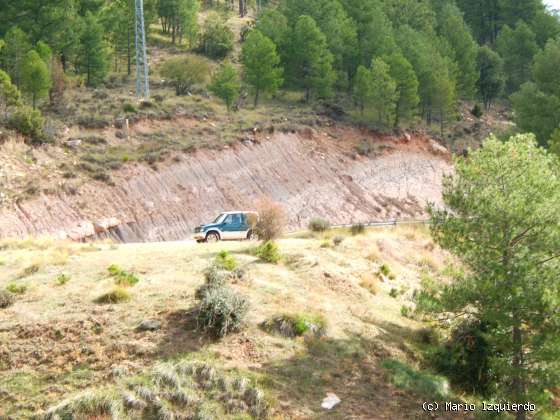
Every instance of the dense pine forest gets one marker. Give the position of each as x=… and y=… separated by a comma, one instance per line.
x=397, y=59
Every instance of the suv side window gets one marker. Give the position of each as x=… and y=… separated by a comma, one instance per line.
x=236, y=220
x=228, y=220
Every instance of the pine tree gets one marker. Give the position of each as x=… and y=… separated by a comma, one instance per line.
x=554, y=142
x=536, y=111
x=260, y=62
x=491, y=77
x=9, y=93
x=17, y=45
x=92, y=58
x=502, y=220
x=546, y=68
x=225, y=85
x=35, y=77
x=407, y=87
x=463, y=47
x=363, y=88
x=311, y=61
x=517, y=47
x=337, y=27
x=383, y=93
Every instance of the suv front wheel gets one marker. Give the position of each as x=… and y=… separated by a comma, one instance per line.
x=212, y=237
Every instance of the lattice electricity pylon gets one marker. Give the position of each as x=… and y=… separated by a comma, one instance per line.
x=142, y=69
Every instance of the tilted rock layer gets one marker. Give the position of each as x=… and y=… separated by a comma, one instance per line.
x=312, y=174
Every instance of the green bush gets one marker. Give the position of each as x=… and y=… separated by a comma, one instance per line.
x=16, y=289
x=214, y=279
x=293, y=325
x=6, y=299
x=424, y=384
x=476, y=111
x=225, y=261
x=427, y=336
x=357, y=229
x=319, y=225
x=268, y=252
x=62, y=279
x=217, y=39
x=185, y=72
x=385, y=270
x=117, y=295
x=221, y=311
x=129, y=108
x=466, y=356
x=122, y=278
x=29, y=122
x=393, y=292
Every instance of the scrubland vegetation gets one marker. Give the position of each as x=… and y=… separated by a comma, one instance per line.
x=466, y=309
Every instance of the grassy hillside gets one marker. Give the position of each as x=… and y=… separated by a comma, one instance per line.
x=57, y=341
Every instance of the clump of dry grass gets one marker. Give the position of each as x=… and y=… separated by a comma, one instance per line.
x=370, y=283
x=6, y=299
x=183, y=389
x=29, y=270
x=117, y=295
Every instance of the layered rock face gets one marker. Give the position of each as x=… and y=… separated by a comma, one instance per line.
x=311, y=175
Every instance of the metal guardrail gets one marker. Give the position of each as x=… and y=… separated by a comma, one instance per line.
x=376, y=224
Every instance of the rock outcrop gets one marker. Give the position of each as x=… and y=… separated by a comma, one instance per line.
x=311, y=175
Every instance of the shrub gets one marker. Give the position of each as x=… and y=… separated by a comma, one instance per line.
x=29, y=270
x=385, y=270
x=225, y=261
x=272, y=219
x=217, y=39
x=16, y=289
x=427, y=336
x=394, y=292
x=319, y=225
x=62, y=279
x=29, y=122
x=476, y=111
x=6, y=299
x=337, y=240
x=405, y=377
x=221, y=311
x=466, y=357
x=117, y=295
x=365, y=147
x=129, y=108
x=407, y=311
x=357, y=229
x=215, y=278
x=370, y=283
x=122, y=278
x=268, y=252
x=297, y=325
x=184, y=72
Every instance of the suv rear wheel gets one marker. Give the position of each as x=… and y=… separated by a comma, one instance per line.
x=252, y=236
x=212, y=237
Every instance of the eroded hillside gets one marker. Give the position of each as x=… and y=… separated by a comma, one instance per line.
x=312, y=171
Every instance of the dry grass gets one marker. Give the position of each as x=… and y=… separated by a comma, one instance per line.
x=309, y=279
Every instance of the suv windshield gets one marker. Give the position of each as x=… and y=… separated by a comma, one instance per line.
x=219, y=218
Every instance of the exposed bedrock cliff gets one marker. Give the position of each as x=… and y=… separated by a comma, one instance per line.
x=310, y=175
